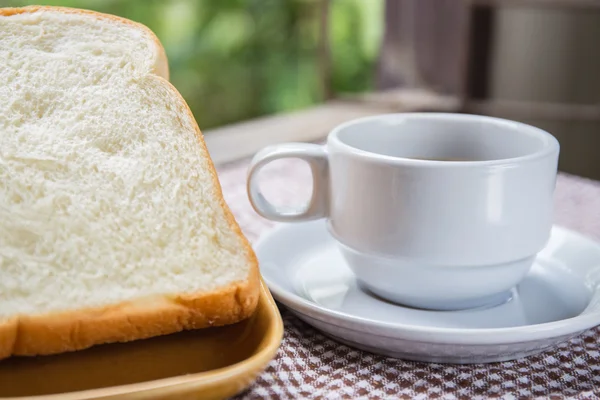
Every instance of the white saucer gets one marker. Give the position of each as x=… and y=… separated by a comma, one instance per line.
x=558, y=300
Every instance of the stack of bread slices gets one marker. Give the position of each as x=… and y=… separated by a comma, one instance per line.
x=113, y=226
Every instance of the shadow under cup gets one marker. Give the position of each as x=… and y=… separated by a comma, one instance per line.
x=441, y=211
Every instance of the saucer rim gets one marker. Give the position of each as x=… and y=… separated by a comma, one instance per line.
x=472, y=336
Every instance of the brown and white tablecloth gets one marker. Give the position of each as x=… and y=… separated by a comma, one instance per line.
x=312, y=366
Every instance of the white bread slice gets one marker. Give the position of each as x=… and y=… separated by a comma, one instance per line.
x=113, y=226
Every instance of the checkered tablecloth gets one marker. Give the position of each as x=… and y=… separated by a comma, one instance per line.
x=312, y=366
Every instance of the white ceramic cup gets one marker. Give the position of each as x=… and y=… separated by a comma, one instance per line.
x=415, y=228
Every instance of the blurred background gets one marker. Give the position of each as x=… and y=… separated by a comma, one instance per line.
x=234, y=60
x=536, y=61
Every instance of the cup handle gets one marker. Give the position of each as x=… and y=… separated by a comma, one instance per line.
x=316, y=157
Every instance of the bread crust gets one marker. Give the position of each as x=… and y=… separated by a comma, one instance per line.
x=140, y=318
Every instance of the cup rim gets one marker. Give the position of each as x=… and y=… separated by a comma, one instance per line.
x=550, y=143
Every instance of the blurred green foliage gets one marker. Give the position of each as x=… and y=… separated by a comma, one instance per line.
x=237, y=59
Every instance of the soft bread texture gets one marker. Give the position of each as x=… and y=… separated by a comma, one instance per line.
x=113, y=226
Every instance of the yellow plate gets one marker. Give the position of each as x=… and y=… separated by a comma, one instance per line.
x=212, y=363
